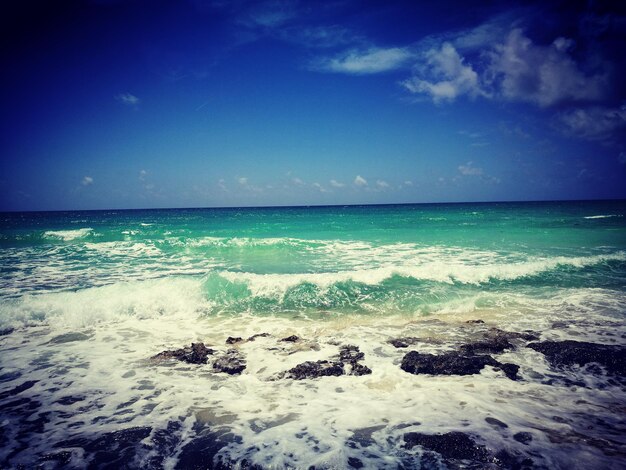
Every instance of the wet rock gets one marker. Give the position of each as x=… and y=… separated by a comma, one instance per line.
x=69, y=338
x=313, y=370
x=513, y=461
x=474, y=322
x=6, y=331
x=568, y=353
x=231, y=362
x=496, y=422
x=233, y=340
x=258, y=335
x=495, y=341
x=18, y=389
x=346, y=363
x=354, y=462
x=290, y=339
x=63, y=457
x=451, y=445
x=196, y=354
x=403, y=342
x=453, y=363
x=523, y=437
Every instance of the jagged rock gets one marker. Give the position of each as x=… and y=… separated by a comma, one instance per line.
x=453, y=363
x=196, y=354
x=231, y=362
x=451, y=445
x=290, y=339
x=312, y=370
x=6, y=331
x=474, y=321
x=403, y=342
x=495, y=341
x=232, y=340
x=569, y=352
x=346, y=363
x=258, y=335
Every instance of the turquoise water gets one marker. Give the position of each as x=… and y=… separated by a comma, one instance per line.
x=89, y=296
x=357, y=259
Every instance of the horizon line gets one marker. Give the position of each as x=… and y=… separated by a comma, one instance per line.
x=314, y=206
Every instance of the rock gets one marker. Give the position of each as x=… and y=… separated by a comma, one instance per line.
x=474, y=322
x=496, y=422
x=403, y=342
x=232, y=340
x=495, y=341
x=569, y=352
x=451, y=445
x=6, y=331
x=290, y=339
x=196, y=354
x=231, y=363
x=258, y=335
x=523, y=437
x=453, y=363
x=312, y=370
x=346, y=363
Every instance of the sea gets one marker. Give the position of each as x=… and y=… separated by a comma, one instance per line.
x=88, y=298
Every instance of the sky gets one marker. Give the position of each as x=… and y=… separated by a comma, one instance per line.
x=216, y=103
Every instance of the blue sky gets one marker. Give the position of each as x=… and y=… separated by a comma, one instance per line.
x=133, y=104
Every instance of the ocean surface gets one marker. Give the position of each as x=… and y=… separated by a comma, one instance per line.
x=87, y=298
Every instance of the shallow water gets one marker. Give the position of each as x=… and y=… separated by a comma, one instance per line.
x=91, y=296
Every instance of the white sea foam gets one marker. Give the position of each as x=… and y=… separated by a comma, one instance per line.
x=68, y=235
x=603, y=216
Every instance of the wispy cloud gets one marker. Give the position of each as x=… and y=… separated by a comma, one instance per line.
x=336, y=184
x=320, y=188
x=362, y=62
x=87, y=181
x=594, y=123
x=360, y=181
x=444, y=75
x=128, y=99
x=142, y=175
x=381, y=184
x=243, y=181
x=470, y=170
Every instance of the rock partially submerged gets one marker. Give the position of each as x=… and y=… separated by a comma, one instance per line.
x=451, y=445
x=453, y=363
x=196, y=354
x=346, y=363
x=495, y=341
x=569, y=353
x=290, y=339
x=231, y=362
x=403, y=342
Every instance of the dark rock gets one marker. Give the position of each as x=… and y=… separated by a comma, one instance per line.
x=312, y=370
x=495, y=341
x=496, y=422
x=62, y=457
x=451, y=445
x=523, y=437
x=516, y=461
x=69, y=338
x=568, y=353
x=258, y=335
x=6, y=331
x=231, y=363
x=290, y=339
x=360, y=369
x=354, y=462
x=196, y=354
x=474, y=322
x=233, y=340
x=350, y=354
x=70, y=399
x=403, y=342
x=453, y=363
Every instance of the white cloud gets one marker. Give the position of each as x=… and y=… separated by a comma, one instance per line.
x=408, y=183
x=128, y=99
x=142, y=175
x=543, y=75
x=336, y=184
x=320, y=188
x=382, y=184
x=243, y=181
x=86, y=181
x=361, y=62
x=360, y=181
x=444, y=75
x=594, y=123
x=297, y=181
x=221, y=183
x=470, y=170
